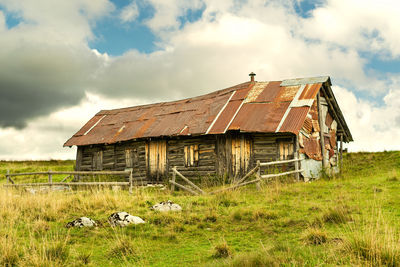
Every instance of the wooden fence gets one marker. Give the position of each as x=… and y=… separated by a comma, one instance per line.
x=11, y=182
x=241, y=182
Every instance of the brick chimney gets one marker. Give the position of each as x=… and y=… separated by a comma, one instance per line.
x=252, y=74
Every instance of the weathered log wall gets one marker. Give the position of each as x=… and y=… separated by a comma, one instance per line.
x=215, y=154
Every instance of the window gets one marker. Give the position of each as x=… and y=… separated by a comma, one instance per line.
x=285, y=150
x=191, y=155
x=129, y=158
x=97, y=160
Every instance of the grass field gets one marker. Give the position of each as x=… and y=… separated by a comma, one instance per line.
x=347, y=220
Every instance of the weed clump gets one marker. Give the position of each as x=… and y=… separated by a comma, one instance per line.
x=337, y=215
x=84, y=258
x=122, y=248
x=8, y=252
x=222, y=251
x=315, y=236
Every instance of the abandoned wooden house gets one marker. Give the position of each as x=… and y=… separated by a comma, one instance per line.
x=221, y=133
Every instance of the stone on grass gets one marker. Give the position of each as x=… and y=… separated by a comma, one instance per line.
x=123, y=219
x=81, y=222
x=167, y=206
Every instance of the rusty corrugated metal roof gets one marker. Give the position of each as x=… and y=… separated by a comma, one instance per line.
x=249, y=107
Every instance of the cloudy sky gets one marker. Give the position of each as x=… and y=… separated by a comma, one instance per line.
x=63, y=61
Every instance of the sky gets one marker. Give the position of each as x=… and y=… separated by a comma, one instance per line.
x=63, y=61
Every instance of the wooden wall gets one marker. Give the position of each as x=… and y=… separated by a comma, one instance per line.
x=217, y=154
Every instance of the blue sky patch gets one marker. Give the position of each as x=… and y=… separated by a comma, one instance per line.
x=12, y=20
x=115, y=37
x=303, y=8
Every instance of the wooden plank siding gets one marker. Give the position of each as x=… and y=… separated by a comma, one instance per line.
x=209, y=155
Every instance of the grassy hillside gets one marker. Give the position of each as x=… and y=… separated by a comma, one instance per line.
x=351, y=220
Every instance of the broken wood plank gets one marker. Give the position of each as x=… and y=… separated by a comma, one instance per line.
x=184, y=187
x=188, y=181
x=247, y=175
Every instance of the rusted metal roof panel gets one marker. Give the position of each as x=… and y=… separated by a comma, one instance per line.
x=259, y=117
x=310, y=91
x=287, y=93
x=225, y=117
x=269, y=93
x=294, y=120
x=247, y=107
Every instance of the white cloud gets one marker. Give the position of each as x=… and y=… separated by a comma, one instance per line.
x=167, y=13
x=373, y=127
x=365, y=25
x=2, y=21
x=129, y=13
x=231, y=39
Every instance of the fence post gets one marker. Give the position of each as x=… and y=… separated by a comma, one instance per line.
x=7, y=175
x=258, y=184
x=173, y=179
x=131, y=182
x=50, y=177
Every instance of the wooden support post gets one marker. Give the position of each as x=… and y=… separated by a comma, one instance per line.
x=173, y=179
x=341, y=152
x=321, y=130
x=131, y=182
x=258, y=184
x=7, y=175
x=50, y=177
x=296, y=156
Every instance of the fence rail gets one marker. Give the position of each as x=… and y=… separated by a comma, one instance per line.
x=11, y=182
x=195, y=190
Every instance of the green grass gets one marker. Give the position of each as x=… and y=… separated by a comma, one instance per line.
x=352, y=219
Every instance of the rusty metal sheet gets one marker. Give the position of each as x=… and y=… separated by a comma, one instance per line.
x=328, y=120
x=312, y=148
x=225, y=117
x=332, y=138
x=269, y=93
x=294, y=120
x=287, y=93
x=242, y=92
x=310, y=91
x=268, y=118
x=307, y=126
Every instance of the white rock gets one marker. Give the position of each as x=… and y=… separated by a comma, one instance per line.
x=123, y=219
x=167, y=206
x=81, y=222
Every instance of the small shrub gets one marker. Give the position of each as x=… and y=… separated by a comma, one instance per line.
x=222, y=251
x=315, y=236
